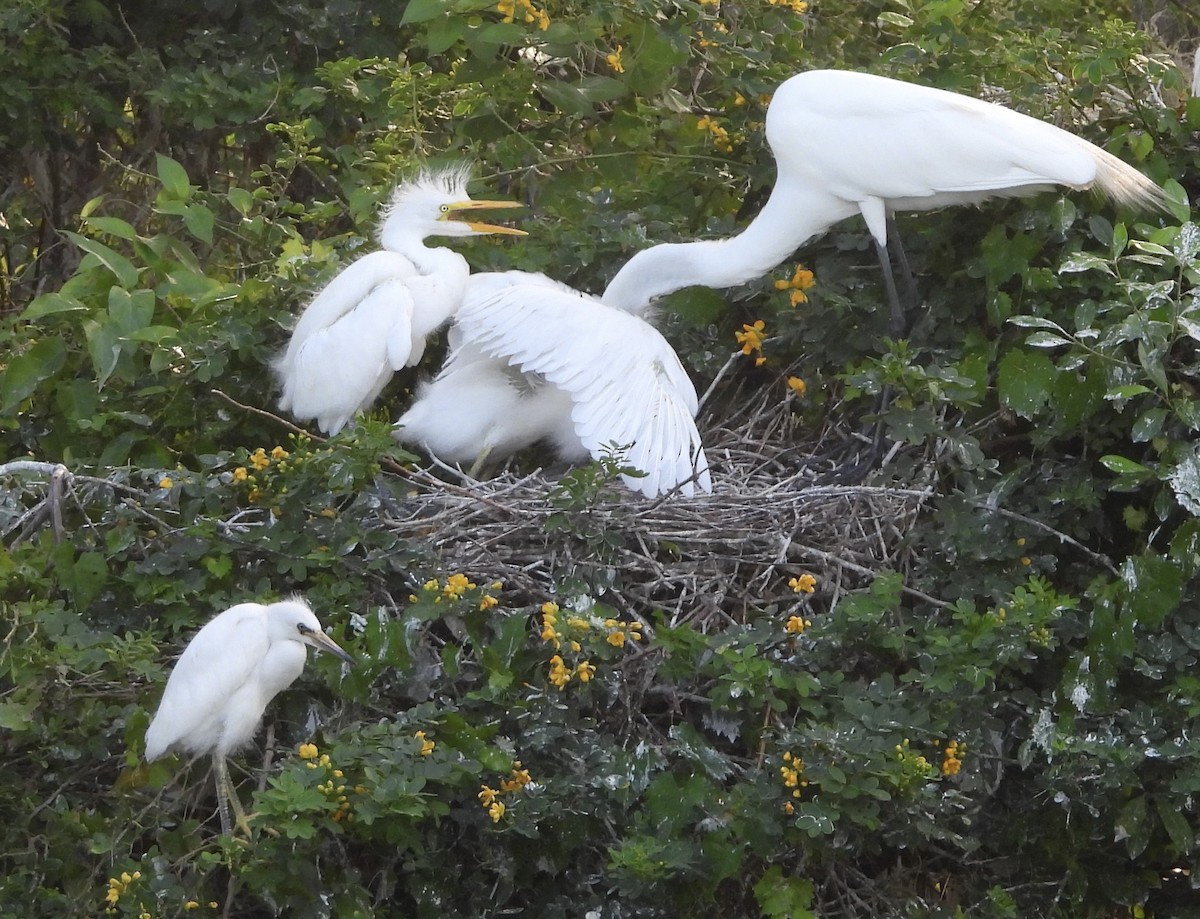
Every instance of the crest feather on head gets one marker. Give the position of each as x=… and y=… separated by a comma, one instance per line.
x=448, y=181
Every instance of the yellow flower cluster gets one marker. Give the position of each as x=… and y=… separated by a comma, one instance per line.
x=620, y=631
x=797, y=386
x=259, y=460
x=797, y=6
x=517, y=779
x=805, y=584
x=489, y=798
x=117, y=888
x=530, y=13
x=914, y=767
x=801, y=280
x=549, y=621
x=427, y=745
x=720, y=135
x=453, y=589
x=166, y=483
x=952, y=760
x=717, y=26
x=751, y=339
x=797, y=624
x=614, y=59
x=334, y=785
x=792, y=772
x=192, y=904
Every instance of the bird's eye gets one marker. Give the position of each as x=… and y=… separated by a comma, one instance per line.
x=445, y=208
x=302, y=628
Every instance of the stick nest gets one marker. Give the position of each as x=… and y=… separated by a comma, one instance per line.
x=776, y=512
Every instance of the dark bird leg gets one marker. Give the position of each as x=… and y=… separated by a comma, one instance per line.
x=902, y=310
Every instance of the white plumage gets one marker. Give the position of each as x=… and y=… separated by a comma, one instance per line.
x=374, y=317
x=591, y=378
x=221, y=685
x=849, y=143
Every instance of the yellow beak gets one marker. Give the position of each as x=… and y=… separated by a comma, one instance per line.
x=452, y=213
x=323, y=642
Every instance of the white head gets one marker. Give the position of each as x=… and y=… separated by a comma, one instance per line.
x=292, y=620
x=432, y=204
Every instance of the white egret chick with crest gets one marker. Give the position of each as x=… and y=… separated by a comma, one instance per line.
x=221, y=685
x=374, y=317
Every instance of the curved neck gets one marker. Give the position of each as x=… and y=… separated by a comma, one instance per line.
x=773, y=235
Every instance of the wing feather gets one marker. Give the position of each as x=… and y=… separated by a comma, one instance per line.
x=349, y=341
x=625, y=381
x=215, y=664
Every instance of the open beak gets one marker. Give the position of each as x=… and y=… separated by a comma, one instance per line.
x=323, y=642
x=454, y=213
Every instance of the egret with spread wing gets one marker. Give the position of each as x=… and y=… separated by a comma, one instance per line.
x=217, y=693
x=537, y=360
x=374, y=317
x=849, y=143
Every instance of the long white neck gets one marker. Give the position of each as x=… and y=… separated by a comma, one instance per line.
x=427, y=259
x=771, y=237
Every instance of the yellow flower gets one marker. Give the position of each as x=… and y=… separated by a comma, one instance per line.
x=165, y=482
x=801, y=280
x=806, y=583
x=496, y=811
x=797, y=6
x=456, y=586
x=550, y=609
x=240, y=474
x=488, y=602
x=797, y=385
x=616, y=639
x=486, y=796
x=191, y=904
x=614, y=60
x=559, y=675
x=279, y=453
x=308, y=751
x=586, y=671
x=258, y=459
x=796, y=625
x=751, y=339
x=426, y=745
x=952, y=761
x=517, y=779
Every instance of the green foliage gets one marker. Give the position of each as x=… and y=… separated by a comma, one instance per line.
x=1002, y=728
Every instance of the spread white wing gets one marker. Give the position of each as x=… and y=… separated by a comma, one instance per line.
x=625, y=382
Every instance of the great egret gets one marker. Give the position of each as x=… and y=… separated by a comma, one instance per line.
x=848, y=143
x=374, y=317
x=533, y=359
x=220, y=687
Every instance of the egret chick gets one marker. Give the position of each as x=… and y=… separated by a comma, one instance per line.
x=221, y=685
x=374, y=317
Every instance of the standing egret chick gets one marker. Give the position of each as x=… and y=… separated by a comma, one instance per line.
x=217, y=693
x=373, y=318
x=848, y=143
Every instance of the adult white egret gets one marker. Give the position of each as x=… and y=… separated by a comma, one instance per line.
x=220, y=686
x=533, y=359
x=848, y=143
x=373, y=318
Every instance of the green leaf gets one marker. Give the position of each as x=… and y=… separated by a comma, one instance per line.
x=423, y=11
x=782, y=897
x=49, y=304
x=1046, y=340
x=174, y=178
x=25, y=372
x=1155, y=586
x=1024, y=380
x=16, y=716
x=581, y=98
x=199, y=221
x=113, y=226
x=1176, y=826
x=1133, y=827
x=1124, y=466
x=1082, y=261
x=119, y=265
